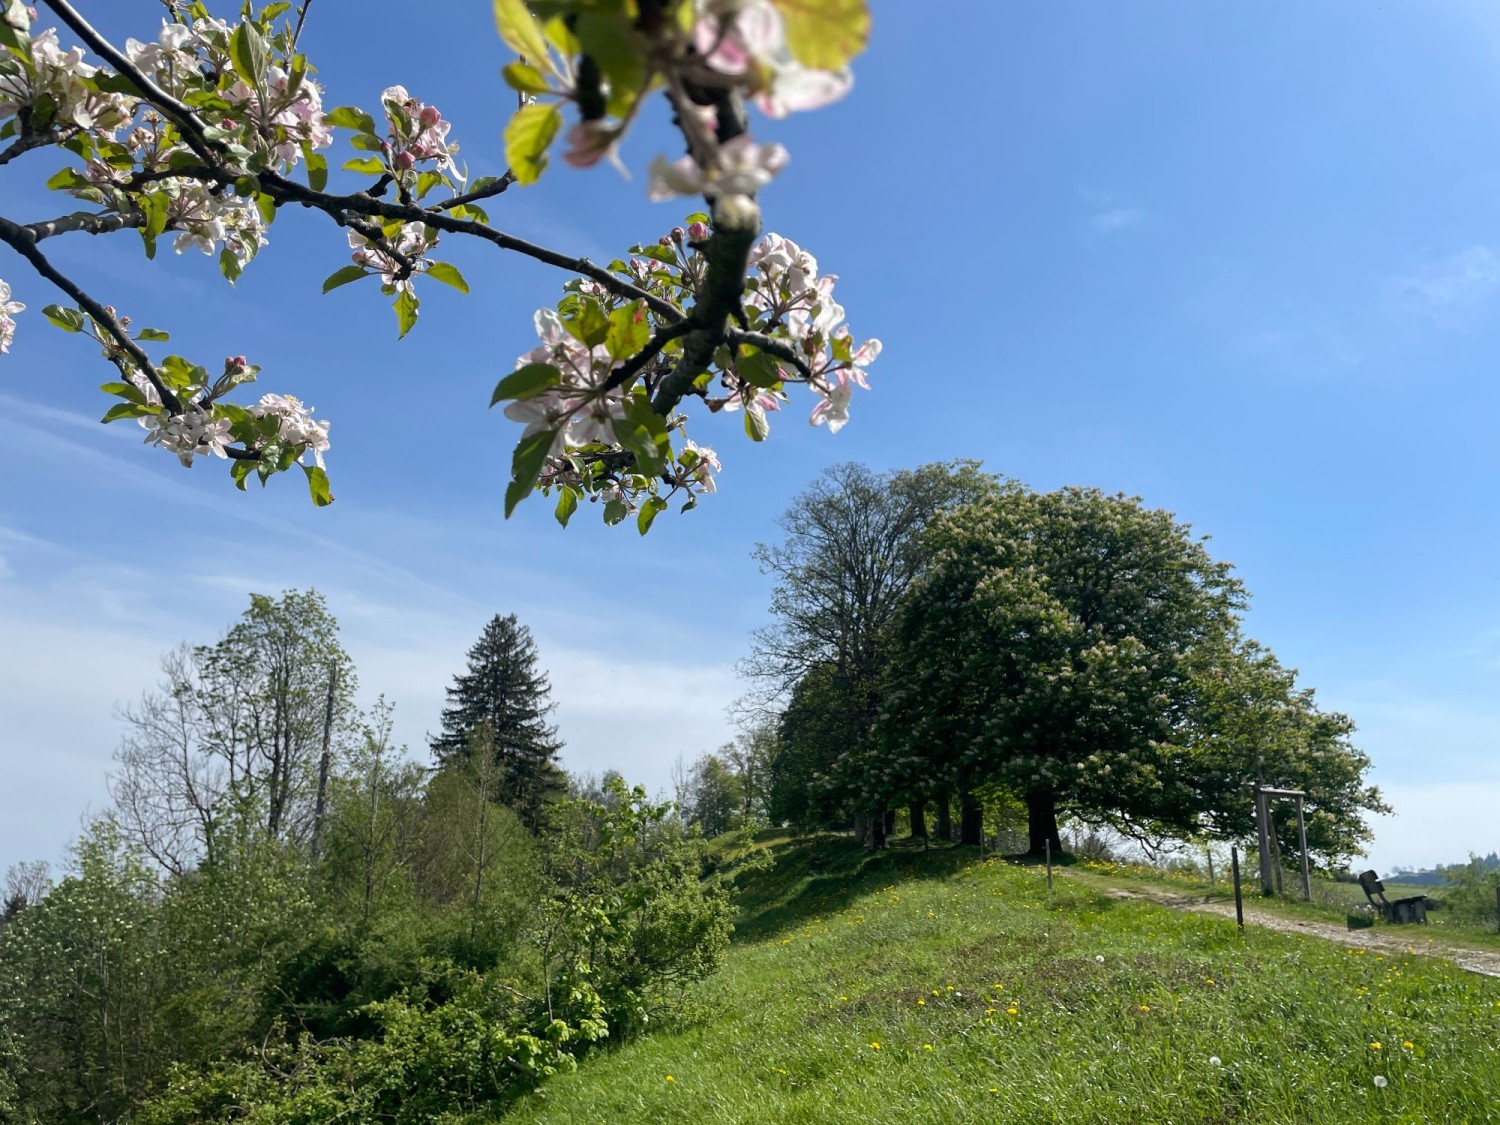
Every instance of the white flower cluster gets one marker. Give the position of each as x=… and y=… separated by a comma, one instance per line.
x=8, y=309
x=297, y=427
x=580, y=408
x=194, y=433
x=412, y=242
x=793, y=300
x=59, y=75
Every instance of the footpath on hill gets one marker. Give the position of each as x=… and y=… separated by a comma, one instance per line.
x=1410, y=939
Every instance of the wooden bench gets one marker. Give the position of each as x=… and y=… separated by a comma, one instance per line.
x=1401, y=910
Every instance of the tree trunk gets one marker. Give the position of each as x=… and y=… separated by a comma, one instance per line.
x=862, y=829
x=1041, y=823
x=944, y=816
x=877, y=831
x=970, y=819
x=918, y=812
x=889, y=826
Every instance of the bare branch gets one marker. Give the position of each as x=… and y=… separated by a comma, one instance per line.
x=87, y=221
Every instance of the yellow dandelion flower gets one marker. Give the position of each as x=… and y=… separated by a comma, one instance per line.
x=874, y=1046
x=921, y=1003
x=1375, y=1046
x=1010, y=1011
x=1406, y=1044
x=926, y=1046
x=671, y=1079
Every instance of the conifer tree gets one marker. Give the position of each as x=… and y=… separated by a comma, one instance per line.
x=505, y=688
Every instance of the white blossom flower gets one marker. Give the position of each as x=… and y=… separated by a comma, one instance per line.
x=7, y=310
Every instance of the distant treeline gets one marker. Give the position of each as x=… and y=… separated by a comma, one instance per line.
x=1441, y=874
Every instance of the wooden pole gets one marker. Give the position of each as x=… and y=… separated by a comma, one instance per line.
x=1239, y=903
x=1208, y=851
x=1049, y=865
x=1263, y=843
x=1302, y=845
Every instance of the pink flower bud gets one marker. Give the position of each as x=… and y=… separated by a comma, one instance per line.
x=665, y=240
x=403, y=162
x=677, y=235
x=429, y=116
x=698, y=231
x=234, y=364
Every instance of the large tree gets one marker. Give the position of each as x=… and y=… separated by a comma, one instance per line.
x=242, y=726
x=1049, y=651
x=852, y=546
x=505, y=688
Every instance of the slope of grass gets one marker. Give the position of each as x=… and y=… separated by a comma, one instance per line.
x=935, y=987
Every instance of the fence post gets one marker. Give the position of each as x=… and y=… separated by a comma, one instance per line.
x=1239, y=902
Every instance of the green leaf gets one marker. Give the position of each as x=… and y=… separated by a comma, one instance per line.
x=249, y=55
x=526, y=465
x=239, y=470
x=659, y=252
x=609, y=39
x=128, y=410
x=154, y=335
x=370, y=165
x=448, y=274
x=696, y=217
x=229, y=265
x=124, y=390
x=343, y=277
x=756, y=425
x=567, y=504
x=615, y=511
x=590, y=326
x=317, y=485
x=350, y=117
x=527, y=137
x=629, y=330
x=265, y=206
x=406, y=311
x=317, y=169
x=759, y=370
x=647, y=515
x=522, y=34
x=643, y=432
x=825, y=34
x=366, y=142
x=67, y=178
x=69, y=320
x=526, y=381
x=525, y=78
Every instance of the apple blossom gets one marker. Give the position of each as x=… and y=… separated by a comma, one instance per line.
x=195, y=136
x=8, y=309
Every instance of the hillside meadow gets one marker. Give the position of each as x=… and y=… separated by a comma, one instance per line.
x=936, y=986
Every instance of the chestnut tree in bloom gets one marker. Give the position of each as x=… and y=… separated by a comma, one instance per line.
x=200, y=132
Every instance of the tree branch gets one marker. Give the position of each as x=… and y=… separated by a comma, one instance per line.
x=285, y=190
x=632, y=366
x=771, y=346
x=87, y=221
x=736, y=227
x=23, y=242
x=181, y=115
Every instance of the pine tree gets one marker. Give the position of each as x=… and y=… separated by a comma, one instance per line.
x=504, y=687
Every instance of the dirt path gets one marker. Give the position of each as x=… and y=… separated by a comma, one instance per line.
x=1411, y=940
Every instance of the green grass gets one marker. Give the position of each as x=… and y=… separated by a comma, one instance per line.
x=992, y=999
x=1331, y=901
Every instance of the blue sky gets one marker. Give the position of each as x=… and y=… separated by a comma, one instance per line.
x=1242, y=260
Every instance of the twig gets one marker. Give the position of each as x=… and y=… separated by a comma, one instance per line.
x=771, y=346
x=23, y=242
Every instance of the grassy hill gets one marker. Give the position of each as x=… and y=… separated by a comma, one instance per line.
x=934, y=986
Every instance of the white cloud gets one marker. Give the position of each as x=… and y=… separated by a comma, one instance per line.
x=1452, y=288
x=1114, y=219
